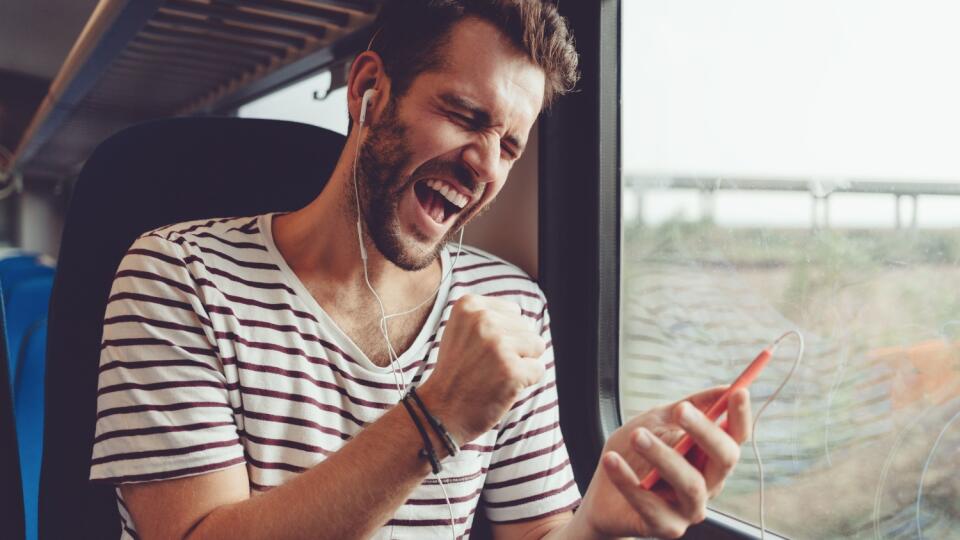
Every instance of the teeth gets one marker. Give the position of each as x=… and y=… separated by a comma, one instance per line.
x=449, y=194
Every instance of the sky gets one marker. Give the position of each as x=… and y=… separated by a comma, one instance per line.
x=831, y=89
x=849, y=88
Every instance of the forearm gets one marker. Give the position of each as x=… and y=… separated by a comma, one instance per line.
x=349, y=495
x=575, y=529
x=579, y=527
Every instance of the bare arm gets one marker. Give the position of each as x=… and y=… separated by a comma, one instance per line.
x=488, y=355
x=349, y=495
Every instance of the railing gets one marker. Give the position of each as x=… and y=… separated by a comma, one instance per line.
x=820, y=190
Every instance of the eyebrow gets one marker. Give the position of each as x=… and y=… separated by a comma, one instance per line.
x=480, y=115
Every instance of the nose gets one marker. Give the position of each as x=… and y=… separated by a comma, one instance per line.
x=482, y=156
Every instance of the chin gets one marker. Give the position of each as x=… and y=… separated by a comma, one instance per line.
x=418, y=260
x=410, y=254
x=410, y=248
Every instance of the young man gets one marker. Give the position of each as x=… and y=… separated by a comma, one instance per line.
x=247, y=389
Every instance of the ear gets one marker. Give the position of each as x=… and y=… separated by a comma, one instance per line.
x=366, y=73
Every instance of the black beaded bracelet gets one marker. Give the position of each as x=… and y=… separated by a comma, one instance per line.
x=437, y=426
x=427, y=450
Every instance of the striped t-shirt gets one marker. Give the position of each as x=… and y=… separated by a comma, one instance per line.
x=215, y=355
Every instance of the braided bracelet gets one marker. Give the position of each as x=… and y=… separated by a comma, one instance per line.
x=437, y=426
x=427, y=451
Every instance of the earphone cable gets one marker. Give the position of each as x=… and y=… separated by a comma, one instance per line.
x=756, y=419
x=394, y=359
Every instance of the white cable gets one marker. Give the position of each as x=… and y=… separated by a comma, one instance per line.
x=456, y=258
x=888, y=463
x=926, y=468
x=363, y=256
x=394, y=358
x=756, y=420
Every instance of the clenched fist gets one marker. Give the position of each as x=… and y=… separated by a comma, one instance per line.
x=488, y=354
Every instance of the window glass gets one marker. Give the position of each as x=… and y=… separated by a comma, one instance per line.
x=297, y=103
x=794, y=165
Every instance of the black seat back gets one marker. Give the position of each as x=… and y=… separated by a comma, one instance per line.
x=142, y=178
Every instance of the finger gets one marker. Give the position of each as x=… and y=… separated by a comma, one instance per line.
x=738, y=416
x=526, y=344
x=705, y=398
x=500, y=305
x=532, y=370
x=515, y=320
x=688, y=484
x=469, y=302
x=509, y=323
x=658, y=518
x=491, y=305
x=722, y=450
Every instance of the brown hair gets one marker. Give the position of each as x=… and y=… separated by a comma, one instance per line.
x=410, y=35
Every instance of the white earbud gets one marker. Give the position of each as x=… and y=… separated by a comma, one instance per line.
x=370, y=93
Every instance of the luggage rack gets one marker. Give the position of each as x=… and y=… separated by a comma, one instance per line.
x=138, y=60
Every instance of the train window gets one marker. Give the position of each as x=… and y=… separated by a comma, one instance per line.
x=792, y=166
x=314, y=100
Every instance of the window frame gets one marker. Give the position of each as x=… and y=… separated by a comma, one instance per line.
x=580, y=140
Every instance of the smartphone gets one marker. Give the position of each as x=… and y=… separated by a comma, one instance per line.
x=686, y=444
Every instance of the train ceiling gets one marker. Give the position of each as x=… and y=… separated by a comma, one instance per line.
x=142, y=59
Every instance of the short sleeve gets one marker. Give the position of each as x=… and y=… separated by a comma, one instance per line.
x=163, y=407
x=530, y=476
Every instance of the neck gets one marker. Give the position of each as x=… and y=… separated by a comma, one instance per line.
x=319, y=242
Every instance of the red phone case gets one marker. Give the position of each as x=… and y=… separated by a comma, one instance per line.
x=685, y=444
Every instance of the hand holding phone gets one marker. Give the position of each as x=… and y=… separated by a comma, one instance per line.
x=717, y=409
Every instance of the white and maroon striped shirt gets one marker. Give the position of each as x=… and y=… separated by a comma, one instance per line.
x=214, y=355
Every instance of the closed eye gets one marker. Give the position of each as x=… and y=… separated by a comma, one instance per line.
x=464, y=120
x=475, y=124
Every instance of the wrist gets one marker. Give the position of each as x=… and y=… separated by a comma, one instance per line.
x=440, y=410
x=435, y=424
x=416, y=416
x=583, y=524
x=578, y=528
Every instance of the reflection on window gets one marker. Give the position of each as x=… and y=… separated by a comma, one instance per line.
x=297, y=103
x=793, y=165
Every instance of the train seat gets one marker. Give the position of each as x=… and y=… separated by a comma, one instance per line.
x=141, y=178
x=11, y=492
x=26, y=298
x=26, y=305
x=28, y=409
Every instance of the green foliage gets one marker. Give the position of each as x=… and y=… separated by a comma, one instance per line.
x=894, y=281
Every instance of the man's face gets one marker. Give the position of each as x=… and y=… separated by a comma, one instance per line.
x=438, y=156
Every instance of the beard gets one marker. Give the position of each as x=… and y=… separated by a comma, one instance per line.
x=383, y=158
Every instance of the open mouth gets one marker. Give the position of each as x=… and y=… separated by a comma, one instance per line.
x=439, y=201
